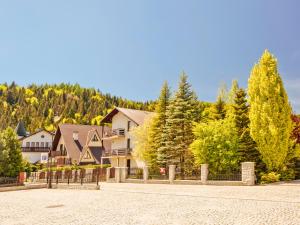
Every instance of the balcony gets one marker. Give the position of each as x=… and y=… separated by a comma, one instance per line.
x=57, y=154
x=116, y=133
x=118, y=152
x=35, y=149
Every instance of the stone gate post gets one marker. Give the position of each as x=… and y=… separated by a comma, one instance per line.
x=204, y=173
x=107, y=174
x=248, y=173
x=145, y=173
x=172, y=173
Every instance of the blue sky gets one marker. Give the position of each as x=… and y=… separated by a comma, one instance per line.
x=128, y=48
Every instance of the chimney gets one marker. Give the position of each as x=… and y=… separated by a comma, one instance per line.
x=75, y=135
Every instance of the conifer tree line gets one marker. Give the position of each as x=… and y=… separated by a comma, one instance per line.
x=254, y=124
x=45, y=106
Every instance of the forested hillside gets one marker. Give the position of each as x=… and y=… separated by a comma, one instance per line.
x=45, y=106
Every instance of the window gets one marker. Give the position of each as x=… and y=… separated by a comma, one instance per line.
x=87, y=156
x=42, y=144
x=27, y=144
x=47, y=144
x=95, y=138
x=32, y=144
x=128, y=143
x=128, y=125
x=44, y=158
x=37, y=144
x=42, y=136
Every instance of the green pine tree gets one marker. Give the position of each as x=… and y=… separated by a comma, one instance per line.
x=159, y=125
x=179, y=126
x=247, y=147
x=219, y=108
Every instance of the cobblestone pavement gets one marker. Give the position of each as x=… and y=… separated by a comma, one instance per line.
x=153, y=204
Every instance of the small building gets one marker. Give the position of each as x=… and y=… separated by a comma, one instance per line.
x=36, y=146
x=79, y=144
x=123, y=121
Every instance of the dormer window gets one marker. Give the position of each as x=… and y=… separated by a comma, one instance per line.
x=95, y=138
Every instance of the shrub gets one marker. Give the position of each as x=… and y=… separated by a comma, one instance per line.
x=288, y=174
x=269, y=177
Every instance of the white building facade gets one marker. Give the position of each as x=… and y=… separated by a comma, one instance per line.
x=36, y=147
x=122, y=142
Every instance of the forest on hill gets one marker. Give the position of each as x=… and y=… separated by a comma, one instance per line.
x=46, y=106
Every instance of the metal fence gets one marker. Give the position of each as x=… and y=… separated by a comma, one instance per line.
x=160, y=174
x=135, y=173
x=70, y=176
x=8, y=181
x=237, y=176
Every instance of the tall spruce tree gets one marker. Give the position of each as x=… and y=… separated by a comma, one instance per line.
x=270, y=112
x=179, y=126
x=219, y=108
x=159, y=125
x=247, y=147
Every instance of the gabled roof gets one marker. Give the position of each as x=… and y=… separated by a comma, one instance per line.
x=137, y=116
x=75, y=148
x=38, y=131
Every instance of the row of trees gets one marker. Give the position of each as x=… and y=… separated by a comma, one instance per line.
x=257, y=127
x=45, y=106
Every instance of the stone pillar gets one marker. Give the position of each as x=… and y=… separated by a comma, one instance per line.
x=204, y=173
x=145, y=173
x=121, y=174
x=107, y=174
x=118, y=174
x=248, y=173
x=172, y=173
x=124, y=173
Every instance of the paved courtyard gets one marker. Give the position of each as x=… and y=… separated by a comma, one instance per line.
x=153, y=204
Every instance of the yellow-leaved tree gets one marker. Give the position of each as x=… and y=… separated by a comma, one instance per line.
x=143, y=143
x=270, y=112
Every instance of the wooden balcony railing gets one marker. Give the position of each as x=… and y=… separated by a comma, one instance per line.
x=35, y=149
x=118, y=152
x=56, y=153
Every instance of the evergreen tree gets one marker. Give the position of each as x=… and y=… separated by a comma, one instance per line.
x=270, y=112
x=159, y=125
x=219, y=108
x=232, y=93
x=10, y=154
x=179, y=125
x=247, y=147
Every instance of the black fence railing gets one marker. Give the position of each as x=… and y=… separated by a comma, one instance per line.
x=8, y=181
x=135, y=173
x=225, y=176
x=158, y=177
x=194, y=174
x=159, y=174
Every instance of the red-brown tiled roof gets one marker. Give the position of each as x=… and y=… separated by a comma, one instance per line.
x=137, y=116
